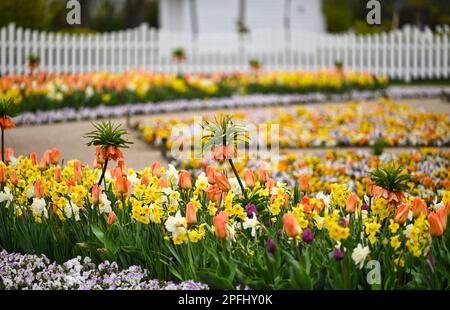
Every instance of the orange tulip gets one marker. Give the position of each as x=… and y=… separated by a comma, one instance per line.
x=352, y=203
x=222, y=182
x=210, y=173
x=303, y=183
x=2, y=174
x=96, y=192
x=121, y=165
x=112, y=217
x=401, y=214
x=14, y=178
x=156, y=169
x=57, y=174
x=33, y=158
x=9, y=152
x=191, y=214
x=214, y=194
x=45, y=160
x=185, y=180
x=220, y=224
x=438, y=221
x=123, y=186
x=78, y=171
x=54, y=155
x=162, y=183
x=270, y=183
x=249, y=178
x=263, y=175
x=419, y=207
x=38, y=189
x=290, y=225
x=145, y=180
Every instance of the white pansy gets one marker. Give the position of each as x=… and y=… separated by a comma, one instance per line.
x=39, y=207
x=176, y=225
x=235, y=187
x=359, y=255
x=7, y=196
x=251, y=223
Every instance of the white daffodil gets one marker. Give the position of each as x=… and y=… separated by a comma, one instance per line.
x=235, y=187
x=105, y=204
x=176, y=225
x=72, y=210
x=251, y=223
x=39, y=207
x=202, y=181
x=7, y=196
x=359, y=255
x=172, y=175
x=326, y=198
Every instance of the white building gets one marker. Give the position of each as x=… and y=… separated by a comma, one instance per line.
x=221, y=16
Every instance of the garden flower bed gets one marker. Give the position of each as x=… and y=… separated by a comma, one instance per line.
x=36, y=272
x=429, y=168
x=49, y=92
x=352, y=124
x=265, y=234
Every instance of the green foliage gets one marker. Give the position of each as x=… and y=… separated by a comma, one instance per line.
x=392, y=177
x=378, y=146
x=8, y=107
x=222, y=131
x=25, y=13
x=339, y=15
x=106, y=134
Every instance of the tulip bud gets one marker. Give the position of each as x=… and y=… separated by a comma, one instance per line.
x=271, y=246
x=33, y=158
x=112, y=217
x=38, y=189
x=145, y=180
x=14, y=178
x=303, y=183
x=290, y=225
x=57, y=174
x=156, y=169
x=95, y=194
x=249, y=178
x=2, y=174
x=222, y=182
x=308, y=235
x=263, y=175
x=210, y=173
x=220, y=224
x=185, y=180
x=251, y=210
x=54, y=155
x=352, y=203
x=191, y=214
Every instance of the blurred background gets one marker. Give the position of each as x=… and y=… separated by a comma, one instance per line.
x=218, y=15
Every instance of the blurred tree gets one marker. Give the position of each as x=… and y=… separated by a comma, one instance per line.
x=105, y=18
x=134, y=12
x=339, y=15
x=30, y=14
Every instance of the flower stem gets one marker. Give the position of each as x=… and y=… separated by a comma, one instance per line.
x=237, y=177
x=105, y=165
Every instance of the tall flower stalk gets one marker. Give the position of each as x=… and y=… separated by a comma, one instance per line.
x=109, y=137
x=222, y=136
x=8, y=109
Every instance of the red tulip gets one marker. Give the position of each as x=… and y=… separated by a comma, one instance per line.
x=249, y=178
x=290, y=225
x=401, y=214
x=419, y=207
x=222, y=182
x=191, y=214
x=352, y=203
x=220, y=224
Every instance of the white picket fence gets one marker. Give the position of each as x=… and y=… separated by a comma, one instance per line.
x=405, y=54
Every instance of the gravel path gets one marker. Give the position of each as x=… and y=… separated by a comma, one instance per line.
x=68, y=136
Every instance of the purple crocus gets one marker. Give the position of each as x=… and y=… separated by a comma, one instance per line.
x=251, y=210
x=364, y=207
x=308, y=235
x=271, y=246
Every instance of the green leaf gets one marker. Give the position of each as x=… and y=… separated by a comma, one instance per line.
x=215, y=281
